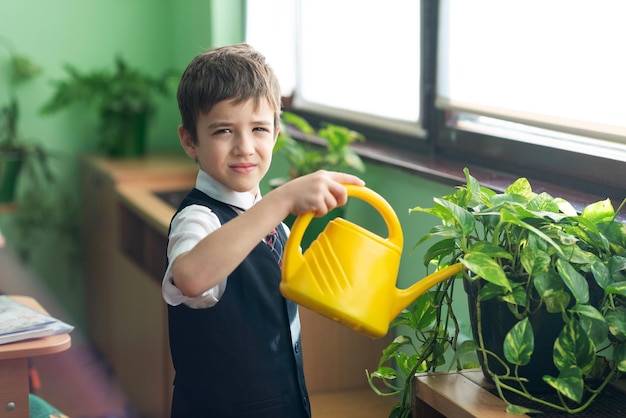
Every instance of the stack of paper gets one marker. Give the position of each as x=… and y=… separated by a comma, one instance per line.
x=19, y=322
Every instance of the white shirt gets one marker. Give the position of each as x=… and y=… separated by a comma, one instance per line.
x=190, y=226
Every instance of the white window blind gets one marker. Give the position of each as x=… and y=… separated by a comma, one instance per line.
x=556, y=64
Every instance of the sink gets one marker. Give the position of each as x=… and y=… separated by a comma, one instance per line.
x=172, y=197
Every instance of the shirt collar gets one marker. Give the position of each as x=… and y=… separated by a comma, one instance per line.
x=211, y=187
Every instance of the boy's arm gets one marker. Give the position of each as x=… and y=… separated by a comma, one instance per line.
x=220, y=252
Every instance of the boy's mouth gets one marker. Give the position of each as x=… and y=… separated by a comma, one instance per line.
x=243, y=168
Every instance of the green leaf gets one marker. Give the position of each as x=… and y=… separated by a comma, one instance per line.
x=521, y=187
x=519, y=343
x=569, y=383
x=573, y=347
x=618, y=288
x=619, y=357
x=392, y=349
x=588, y=311
x=574, y=281
x=423, y=311
x=557, y=302
x=534, y=260
x=517, y=296
x=574, y=254
x=520, y=410
x=463, y=218
x=441, y=231
x=490, y=249
x=439, y=250
x=543, y=202
x=599, y=211
x=617, y=323
x=467, y=346
x=474, y=193
x=548, y=284
x=385, y=372
x=507, y=216
x=565, y=207
x=485, y=267
x=617, y=267
x=598, y=331
x=489, y=291
x=601, y=273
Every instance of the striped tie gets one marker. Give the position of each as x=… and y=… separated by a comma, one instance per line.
x=275, y=244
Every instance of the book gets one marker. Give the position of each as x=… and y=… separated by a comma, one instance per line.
x=19, y=322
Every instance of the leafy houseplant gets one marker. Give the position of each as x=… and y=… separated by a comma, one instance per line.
x=16, y=154
x=124, y=99
x=535, y=257
x=304, y=157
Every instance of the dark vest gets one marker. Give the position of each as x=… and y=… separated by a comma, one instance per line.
x=236, y=359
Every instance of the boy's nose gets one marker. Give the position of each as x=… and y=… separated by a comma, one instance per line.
x=244, y=144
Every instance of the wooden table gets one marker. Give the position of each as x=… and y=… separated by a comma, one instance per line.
x=456, y=395
x=14, y=385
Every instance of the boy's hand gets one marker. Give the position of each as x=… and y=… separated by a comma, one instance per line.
x=318, y=192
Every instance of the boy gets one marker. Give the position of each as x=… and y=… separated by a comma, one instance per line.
x=234, y=340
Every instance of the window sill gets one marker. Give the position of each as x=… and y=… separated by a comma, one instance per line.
x=450, y=171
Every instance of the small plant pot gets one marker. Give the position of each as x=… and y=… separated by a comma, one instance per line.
x=124, y=132
x=10, y=166
x=496, y=321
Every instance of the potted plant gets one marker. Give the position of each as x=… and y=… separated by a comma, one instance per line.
x=18, y=155
x=125, y=100
x=326, y=148
x=556, y=279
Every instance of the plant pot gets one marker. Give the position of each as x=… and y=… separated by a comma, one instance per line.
x=10, y=166
x=496, y=321
x=124, y=132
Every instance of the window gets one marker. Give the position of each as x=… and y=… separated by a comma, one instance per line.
x=356, y=59
x=529, y=88
x=552, y=64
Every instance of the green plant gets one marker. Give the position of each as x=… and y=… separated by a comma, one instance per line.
x=530, y=252
x=305, y=157
x=125, y=100
x=18, y=155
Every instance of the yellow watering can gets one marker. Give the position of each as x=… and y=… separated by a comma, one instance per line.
x=349, y=274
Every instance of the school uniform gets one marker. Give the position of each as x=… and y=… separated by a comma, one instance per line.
x=236, y=349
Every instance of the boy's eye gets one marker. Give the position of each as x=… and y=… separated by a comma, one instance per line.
x=262, y=129
x=222, y=131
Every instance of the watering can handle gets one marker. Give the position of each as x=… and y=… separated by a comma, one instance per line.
x=367, y=195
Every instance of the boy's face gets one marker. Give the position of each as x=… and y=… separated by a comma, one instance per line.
x=235, y=143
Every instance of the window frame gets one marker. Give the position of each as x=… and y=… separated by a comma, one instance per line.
x=495, y=160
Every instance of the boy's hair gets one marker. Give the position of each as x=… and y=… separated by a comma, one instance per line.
x=235, y=72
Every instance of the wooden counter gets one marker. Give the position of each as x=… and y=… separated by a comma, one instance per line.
x=125, y=313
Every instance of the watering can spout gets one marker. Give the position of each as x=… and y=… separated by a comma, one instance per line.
x=405, y=297
x=349, y=274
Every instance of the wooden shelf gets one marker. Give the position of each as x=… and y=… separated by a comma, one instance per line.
x=456, y=395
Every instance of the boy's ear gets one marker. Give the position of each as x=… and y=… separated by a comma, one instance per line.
x=276, y=132
x=186, y=140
